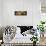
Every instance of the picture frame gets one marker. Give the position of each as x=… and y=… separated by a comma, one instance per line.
x=20, y=13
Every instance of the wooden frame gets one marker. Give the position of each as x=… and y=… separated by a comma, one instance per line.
x=20, y=13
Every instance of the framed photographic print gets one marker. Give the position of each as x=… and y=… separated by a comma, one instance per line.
x=20, y=13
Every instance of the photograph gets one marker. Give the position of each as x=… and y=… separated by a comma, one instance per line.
x=20, y=13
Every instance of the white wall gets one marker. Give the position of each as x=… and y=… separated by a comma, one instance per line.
x=31, y=6
x=1, y=16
